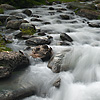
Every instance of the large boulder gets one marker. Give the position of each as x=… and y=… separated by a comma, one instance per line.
x=13, y=17
x=43, y=52
x=27, y=12
x=7, y=7
x=41, y=40
x=14, y=24
x=94, y=24
x=78, y=5
x=65, y=37
x=55, y=63
x=19, y=14
x=90, y=14
x=17, y=94
x=10, y=61
x=27, y=29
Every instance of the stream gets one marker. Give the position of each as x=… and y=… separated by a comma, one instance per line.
x=82, y=80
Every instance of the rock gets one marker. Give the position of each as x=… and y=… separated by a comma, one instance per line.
x=57, y=83
x=43, y=52
x=46, y=23
x=59, y=11
x=65, y=17
x=91, y=24
x=19, y=14
x=51, y=8
x=41, y=34
x=55, y=63
x=5, y=71
x=35, y=16
x=90, y=14
x=10, y=61
x=17, y=94
x=13, y=18
x=27, y=26
x=64, y=43
x=27, y=29
x=7, y=7
x=27, y=12
x=14, y=24
x=78, y=5
x=41, y=40
x=3, y=17
x=27, y=48
x=96, y=1
x=65, y=37
x=35, y=19
x=98, y=6
x=26, y=36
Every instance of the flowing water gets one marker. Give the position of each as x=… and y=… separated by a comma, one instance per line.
x=82, y=81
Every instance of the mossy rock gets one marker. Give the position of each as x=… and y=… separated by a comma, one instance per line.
x=27, y=29
x=3, y=44
x=1, y=11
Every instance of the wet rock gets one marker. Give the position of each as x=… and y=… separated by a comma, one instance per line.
x=10, y=61
x=46, y=23
x=59, y=11
x=14, y=24
x=17, y=94
x=91, y=24
x=43, y=52
x=90, y=14
x=3, y=17
x=38, y=20
x=98, y=6
x=13, y=18
x=96, y=1
x=55, y=63
x=51, y=13
x=39, y=40
x=7, y=7
x=19, y=14
x=64, y=43
x=78, y=5
x=57, y=83
x=27, y=26
x=66, y=37
x=27, y=12
x=35, y=16
x=51, y=8
x=5, y=71
x=65, y=17
x=41, y=34
x=27, y=48
x=26, y=36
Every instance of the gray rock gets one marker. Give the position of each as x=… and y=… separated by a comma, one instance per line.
x=27, y=12
x=55, y=63
x=7, y=7
x=65, y=17
x=38, y=40
x=66, y=37
x=57, y=82
x=90, y=14
x=10, y=61
x=17, y=94
x=91, y=24
x=19, y=14
x=15, y=24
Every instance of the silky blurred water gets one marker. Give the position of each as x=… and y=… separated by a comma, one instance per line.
x=82, y=80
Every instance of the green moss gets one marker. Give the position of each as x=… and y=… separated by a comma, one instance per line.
x=3, y=45
x=1, y=11
x=28, y=31
x=1, y=23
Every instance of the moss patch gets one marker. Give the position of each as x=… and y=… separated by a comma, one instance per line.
x=1, y=11
x=3, y=45
x=28, y=31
